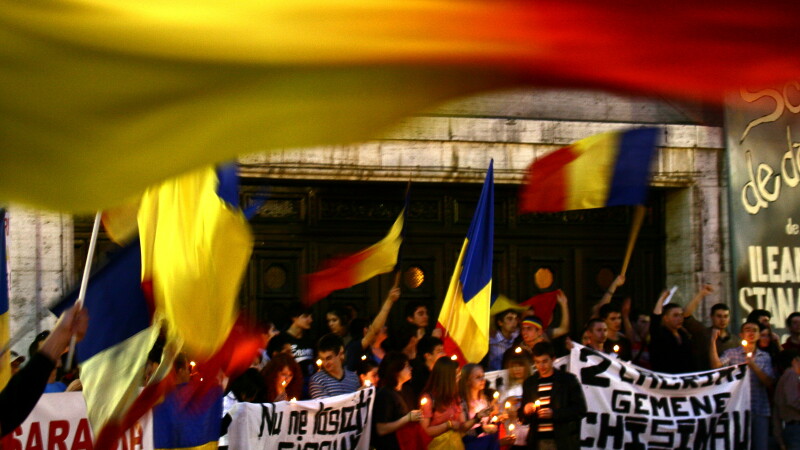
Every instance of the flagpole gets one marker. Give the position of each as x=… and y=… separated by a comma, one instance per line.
x=84, y=283
x=636, y=225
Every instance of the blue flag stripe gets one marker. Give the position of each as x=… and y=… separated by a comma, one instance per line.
x=477, y=263
x=632, y=169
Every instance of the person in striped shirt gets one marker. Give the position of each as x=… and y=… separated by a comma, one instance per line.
x=553, y=404
x=333, y=379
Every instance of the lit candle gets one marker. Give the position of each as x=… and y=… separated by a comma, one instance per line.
x=319, y=363
x=283, y=383
x=454, y=357
x=511, y=428
x=494, y=419
x=537, y=404
x=616, y=349
x=424, y=401
x=367, y=383
x=293, y=400
x=744, y=344
x=496, y=395
x=508, y=405
x=192, y=363
x=363, y=357
x=518, y=350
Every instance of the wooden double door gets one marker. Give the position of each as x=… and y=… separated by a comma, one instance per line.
x=301, y=224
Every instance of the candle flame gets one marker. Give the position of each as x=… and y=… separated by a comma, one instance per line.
x=367, y=383
x=494, y=418
x=537, y=403
x=363, y=357
x=283, y=383
x=616, y=349
x=454, y=357
x=518, y=350
x=744, y=343
x=319, y=362
x=511, y=428
x=293, y=400
x=424, y=401
x=192, y=363
x=496, y=395
x=508, y=405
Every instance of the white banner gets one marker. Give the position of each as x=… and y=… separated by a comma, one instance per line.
x=58, y=422
x=341, y=423
x=634, y=408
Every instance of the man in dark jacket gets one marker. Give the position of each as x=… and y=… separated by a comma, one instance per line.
x=554, y=404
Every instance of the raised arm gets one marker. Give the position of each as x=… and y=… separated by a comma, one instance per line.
x=659, y=307
x=713, y=357
x=619, y=281
x=627, y=326
x=383, y=314
x=701, y=294
x=563, y=327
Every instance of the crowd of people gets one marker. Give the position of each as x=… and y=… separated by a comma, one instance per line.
x=428, y=399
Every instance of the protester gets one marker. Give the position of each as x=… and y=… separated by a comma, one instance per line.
x=608, y=295
x=153, y=361
x=639, y=332
x=417, y=317
x=787, y=404
x=402, y=340
x=597, y=332
x=429, y=350
x=471, y=387
x=670, y=343
x=25, y=387
x=697, y=331
x=793, y=325
x=531, y=332
x=367, y=371
x=283, y=379
x=297, y=336
x=391, y=412
x=338, y=320
x=333, y=379
x=615, y=342
x=367, y=337
x=443, y=418
x=767, y=343
x=507, y=323
x=518, y=363
x=556, y=421
x=761, y=379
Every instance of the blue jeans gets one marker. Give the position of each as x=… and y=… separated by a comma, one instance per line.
x=759, y=432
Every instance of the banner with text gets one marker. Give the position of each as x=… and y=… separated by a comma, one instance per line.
x=634, y=408
x=763, y=141
x=341, y=423
x=59, y=422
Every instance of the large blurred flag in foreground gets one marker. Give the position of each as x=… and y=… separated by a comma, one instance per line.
x=100, y=99
x=348, y=271
x=5, y=356
x=464, y=317
x=608, y=169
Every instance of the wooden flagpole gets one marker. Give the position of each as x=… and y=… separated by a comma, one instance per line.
x=87, y=269
x=636, y=225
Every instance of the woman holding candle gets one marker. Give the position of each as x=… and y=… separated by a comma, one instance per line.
x=391, y=414
x=283, y=377
x=443, y=418
x=518, y=364
x=472, y=385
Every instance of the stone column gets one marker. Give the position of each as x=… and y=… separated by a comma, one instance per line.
x=40, y=260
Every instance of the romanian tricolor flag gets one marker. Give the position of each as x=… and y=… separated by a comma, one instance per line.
x=179, y=425
x=607, y=169
x=464, y=317
x=5, y=356
x=543, y=305
x=195, y=249
x=357, y=268
x=113, y=352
